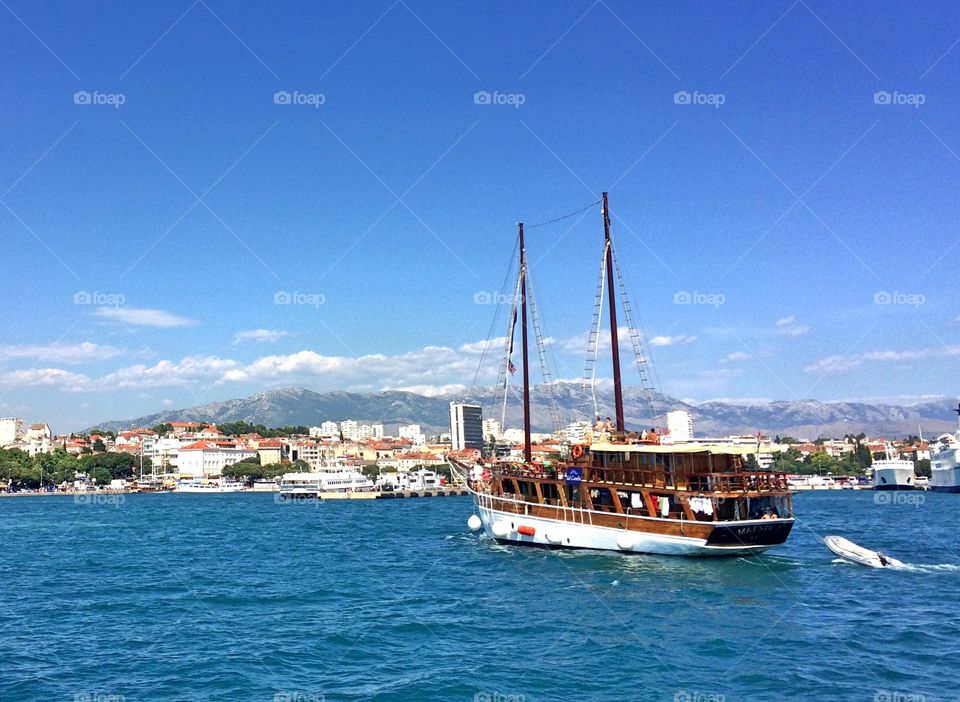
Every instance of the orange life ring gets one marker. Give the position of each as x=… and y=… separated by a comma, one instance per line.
x=577, y=451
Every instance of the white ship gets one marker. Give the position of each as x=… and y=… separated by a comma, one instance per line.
x=207, y=485
x=945, y=461
x=331, y=479
x=893, y=473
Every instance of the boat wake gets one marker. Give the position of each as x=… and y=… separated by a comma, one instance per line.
x=915, y=567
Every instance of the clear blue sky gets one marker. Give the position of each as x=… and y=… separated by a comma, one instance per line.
x=785, y=188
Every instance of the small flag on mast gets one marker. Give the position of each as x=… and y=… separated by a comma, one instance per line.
x=510, y=367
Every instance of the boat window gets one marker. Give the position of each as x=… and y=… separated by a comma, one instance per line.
x=602, y=499
x=509, y=487
x=550, y=492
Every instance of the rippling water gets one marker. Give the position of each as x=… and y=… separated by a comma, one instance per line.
x=236, y=597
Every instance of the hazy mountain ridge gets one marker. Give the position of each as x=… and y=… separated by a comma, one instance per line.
x=800, y=418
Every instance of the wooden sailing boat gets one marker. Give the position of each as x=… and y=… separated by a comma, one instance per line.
x=625, y=491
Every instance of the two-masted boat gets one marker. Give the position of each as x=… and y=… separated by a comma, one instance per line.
x=626, y=491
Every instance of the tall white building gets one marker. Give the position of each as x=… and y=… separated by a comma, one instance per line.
x=11, y=430
x=680, y=425
x=466, y=426
x=350, y=430
x=491, y=427
x=413, y=433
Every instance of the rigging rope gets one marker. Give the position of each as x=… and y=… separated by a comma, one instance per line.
x=566, y=216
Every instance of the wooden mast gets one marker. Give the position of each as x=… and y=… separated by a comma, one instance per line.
x=611, y=296
x=527, y=451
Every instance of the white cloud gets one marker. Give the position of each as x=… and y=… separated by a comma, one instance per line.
x=432, y=390
x=44, y=376
x=736, y=357
x=166, y=402
x=678, y=340
x=189, y=370
x=265, y=335
x=143, y=317
x=60, y=353
x=788, y=326
x=842, y=363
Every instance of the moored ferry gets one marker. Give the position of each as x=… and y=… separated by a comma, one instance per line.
x=624, y=491
x=945, y=461
x=893, y=473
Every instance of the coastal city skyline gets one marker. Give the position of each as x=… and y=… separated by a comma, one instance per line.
x=776, y=192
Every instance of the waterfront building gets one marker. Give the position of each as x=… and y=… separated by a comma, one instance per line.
x=11, y=430
x=491, y=430
x=207, y=459
x=413, y=433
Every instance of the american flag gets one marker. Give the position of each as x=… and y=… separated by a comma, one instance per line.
x=510, y=367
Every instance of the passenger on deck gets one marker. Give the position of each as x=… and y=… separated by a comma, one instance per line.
x=599, y=424
x=652, y=436
x=608, y=425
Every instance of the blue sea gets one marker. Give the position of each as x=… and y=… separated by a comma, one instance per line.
x=238, y=597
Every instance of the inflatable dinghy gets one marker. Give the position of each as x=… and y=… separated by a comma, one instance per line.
x=858, y=554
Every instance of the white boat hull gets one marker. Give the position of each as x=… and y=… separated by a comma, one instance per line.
x=548, y=533
x=894, y=477
x=945, y=471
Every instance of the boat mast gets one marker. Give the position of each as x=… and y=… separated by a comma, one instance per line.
x=611, y=295
x=527, y=453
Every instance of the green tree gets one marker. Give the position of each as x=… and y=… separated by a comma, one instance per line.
x=922, y=468
x=98, y=446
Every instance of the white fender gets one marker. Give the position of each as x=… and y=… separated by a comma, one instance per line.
x=500, y=529
x=474, y=523
x=626, y=542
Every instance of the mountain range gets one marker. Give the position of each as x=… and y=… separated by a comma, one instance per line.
x=803, y=419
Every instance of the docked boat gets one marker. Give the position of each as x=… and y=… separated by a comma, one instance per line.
x=625, y=491
x=945, y=461
x=207, y=485
x=893, y=473
x=330, y=482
